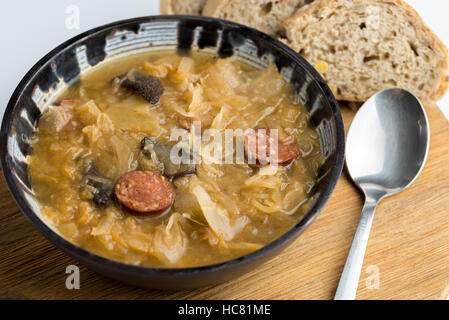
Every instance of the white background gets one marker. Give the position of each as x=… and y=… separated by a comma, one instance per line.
x=32, y=28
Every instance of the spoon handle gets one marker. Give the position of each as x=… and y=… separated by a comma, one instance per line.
x=349, y=280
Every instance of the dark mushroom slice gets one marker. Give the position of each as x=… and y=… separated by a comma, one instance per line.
x=149, y=87
x=101, y=188
x=159, y=153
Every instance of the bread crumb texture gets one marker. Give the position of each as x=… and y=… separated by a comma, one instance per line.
x=265, y=15
x=194, y=7
x=363, y=46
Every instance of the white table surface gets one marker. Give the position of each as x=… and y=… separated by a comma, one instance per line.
x=30, y=29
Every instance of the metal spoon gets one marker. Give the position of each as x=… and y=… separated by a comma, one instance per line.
x=387, y=147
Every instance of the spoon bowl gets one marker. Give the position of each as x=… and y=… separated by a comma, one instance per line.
x=388, y=142
x=387, y=147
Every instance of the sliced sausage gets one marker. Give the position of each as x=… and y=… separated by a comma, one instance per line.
x=257, y=146
x=144, y=192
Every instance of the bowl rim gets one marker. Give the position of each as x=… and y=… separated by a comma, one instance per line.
x=82, y=254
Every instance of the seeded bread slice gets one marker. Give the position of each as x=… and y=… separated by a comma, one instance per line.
x=265, y=15
x=181, y=6
x=363, y=46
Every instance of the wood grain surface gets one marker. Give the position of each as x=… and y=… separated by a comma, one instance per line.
x=409, y=247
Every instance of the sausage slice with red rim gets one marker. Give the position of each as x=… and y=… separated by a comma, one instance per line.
x=257, y=145
x=144, y=192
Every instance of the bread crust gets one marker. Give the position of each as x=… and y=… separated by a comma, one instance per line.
x=265, y=15
x=169, y=6
x=317, y=5
x=212, y=7
x=165, y=7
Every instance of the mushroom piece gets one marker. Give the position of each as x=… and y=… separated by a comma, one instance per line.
x=149, y=87
x=100, y=187
x=159, y=153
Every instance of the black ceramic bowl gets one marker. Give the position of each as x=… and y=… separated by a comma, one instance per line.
x=63, y=66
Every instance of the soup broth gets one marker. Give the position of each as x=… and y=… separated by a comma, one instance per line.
x=116, y=124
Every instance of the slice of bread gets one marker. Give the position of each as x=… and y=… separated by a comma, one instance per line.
x=181, y=6
x=363, y=46
x=265, y=15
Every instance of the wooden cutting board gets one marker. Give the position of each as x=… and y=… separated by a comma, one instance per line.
x=408, y=251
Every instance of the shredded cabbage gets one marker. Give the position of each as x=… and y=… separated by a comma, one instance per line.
x=217, y=217
x=170, y=241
